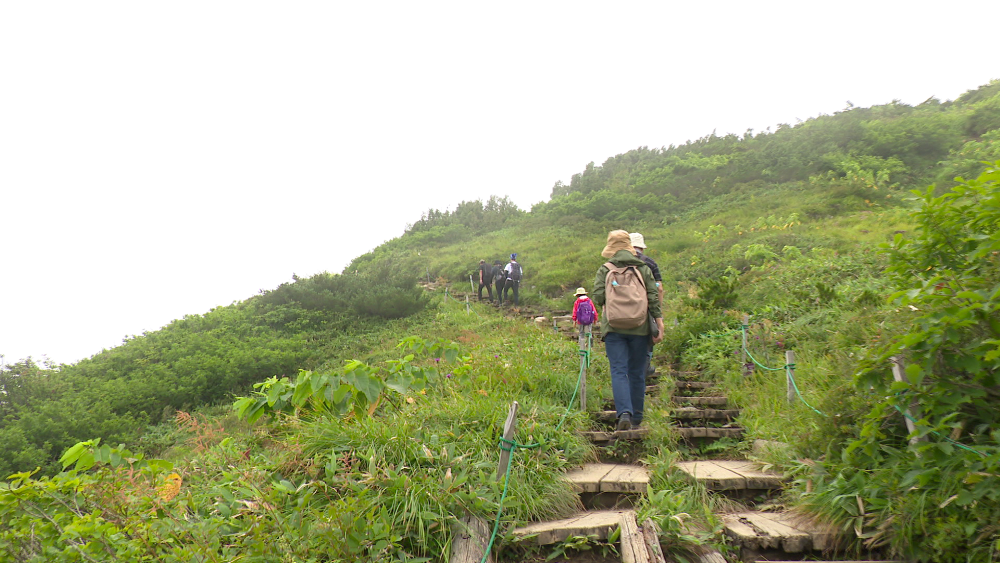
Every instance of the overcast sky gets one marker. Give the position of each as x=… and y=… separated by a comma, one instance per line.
x=159, y=159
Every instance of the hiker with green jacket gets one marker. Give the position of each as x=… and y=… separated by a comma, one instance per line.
x=632, y=317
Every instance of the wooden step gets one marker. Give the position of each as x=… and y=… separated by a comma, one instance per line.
x=599, y=523
x=777, y=530
x=722, y=475
x=692, y=413
x=680, y=413
x=701, y=401
x=599, y=437
x=708, y=432
x=695, y=384
x=609, y=478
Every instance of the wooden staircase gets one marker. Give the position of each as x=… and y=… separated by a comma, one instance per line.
x=701, y=415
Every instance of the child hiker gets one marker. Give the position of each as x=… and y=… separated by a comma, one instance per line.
x=584, y=312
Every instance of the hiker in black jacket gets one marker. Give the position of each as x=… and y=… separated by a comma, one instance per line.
x=485, y=279
x=499, y=279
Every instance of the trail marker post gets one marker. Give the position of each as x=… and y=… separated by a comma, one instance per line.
x=790, y=375
x=743, y=358
x=911, y=411
x=508, y=434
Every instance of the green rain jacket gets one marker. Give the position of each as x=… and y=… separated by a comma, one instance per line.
x=620, y=259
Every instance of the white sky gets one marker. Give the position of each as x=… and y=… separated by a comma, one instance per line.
x=159, y=159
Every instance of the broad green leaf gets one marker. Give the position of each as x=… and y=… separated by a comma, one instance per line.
x=367, y=384
x=85, y=461
x=72, y=454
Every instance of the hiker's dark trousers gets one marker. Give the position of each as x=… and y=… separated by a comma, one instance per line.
x=489, y=290
x=506, y=288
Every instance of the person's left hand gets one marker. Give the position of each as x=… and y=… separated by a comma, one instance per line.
x=659, y=337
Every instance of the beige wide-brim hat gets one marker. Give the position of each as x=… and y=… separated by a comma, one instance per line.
x=580, y=291
x=617, y=240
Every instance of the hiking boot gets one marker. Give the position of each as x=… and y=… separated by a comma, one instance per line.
x=650, y=370
x=624, y=422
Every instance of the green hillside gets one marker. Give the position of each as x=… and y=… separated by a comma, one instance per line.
x=812, y=232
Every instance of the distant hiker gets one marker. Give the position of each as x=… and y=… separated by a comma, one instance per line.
x=514, y=275
x=499, y=279
x=485, y=279
x=584, y=310
x=625, y=288
x=639, y=244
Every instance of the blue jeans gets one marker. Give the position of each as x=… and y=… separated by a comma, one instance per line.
x=628, y=356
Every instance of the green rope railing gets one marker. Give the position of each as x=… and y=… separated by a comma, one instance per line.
x=946, y=438
x=789, y=372
x=448, y=295
x=749, y=355
x=511, y=445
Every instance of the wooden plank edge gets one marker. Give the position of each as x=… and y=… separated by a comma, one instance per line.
x=633, y=546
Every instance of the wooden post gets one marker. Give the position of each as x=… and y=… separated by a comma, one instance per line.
x=790, y=375
x=743, y=346
x=467, y=307
x=508, y=433
x=555, y=324
x=897, y=374
x=472, y=284
x=471, y=538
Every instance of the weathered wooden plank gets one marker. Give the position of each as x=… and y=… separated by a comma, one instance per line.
x=712, y=475
x=606, y=416
x=823, y=535
x=792, y=539
x=721, y=414
x=744, y=535
x=633, y=546
x=702, y=432
x=755, y=478
x=695, y=384
x=600, y=437
x=701, y=401
x=625, y=479
x=587, y=479
x=651, y=537
x=727, y=475
x=598, y=523
x=694, y=413
x=688, y=413
x=762, y=530
x=709, y=555
x=471, y=538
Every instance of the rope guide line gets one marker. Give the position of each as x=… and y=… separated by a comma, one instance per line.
x=511, y=445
